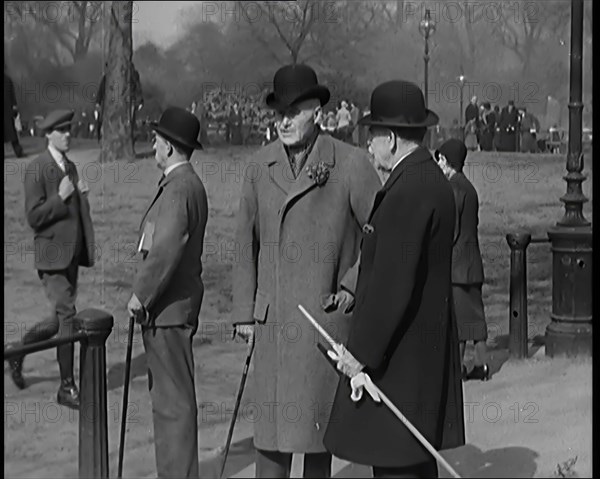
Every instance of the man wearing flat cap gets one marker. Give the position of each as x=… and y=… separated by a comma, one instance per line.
x=168, y=291
x=58, y=211
x=403, y=332
x=305, y=199
x=467, y=266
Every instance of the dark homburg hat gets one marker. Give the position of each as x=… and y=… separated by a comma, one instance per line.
x=401, y=104
x=179, y=126
x=295, y=83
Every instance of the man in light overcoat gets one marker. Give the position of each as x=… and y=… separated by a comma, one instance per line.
x=305, y=199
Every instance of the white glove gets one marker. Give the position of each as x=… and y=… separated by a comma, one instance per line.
x=346, y=363
x=363, y=381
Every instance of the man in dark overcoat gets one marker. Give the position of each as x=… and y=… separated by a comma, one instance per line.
x=403, y=331
x=509, y=121
x=58, y=211
x=305, y=199
x=10, y=113
x=467, y=266
x=168, y=292
x=487, y=127
x=530, y=127
x=472, y=111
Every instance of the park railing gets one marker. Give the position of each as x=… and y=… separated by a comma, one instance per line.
x=518, y=334
x=92, y=326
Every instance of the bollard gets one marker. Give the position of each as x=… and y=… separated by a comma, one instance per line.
x=93, y=422
x=518, y=243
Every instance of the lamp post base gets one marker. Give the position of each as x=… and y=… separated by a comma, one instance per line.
x=570, y=332
x=569, y=339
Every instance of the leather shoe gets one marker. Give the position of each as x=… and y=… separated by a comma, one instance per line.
x=68, y=395
x=16, y=370
x=480, y=372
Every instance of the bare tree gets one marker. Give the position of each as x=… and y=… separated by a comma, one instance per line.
x=521, y=26
x=76, y=26
x=117, y=128
x=286, y=23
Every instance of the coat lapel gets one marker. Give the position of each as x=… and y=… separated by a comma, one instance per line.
x=419, y=155
x=180, y=170
x=280, y=170
x=323, y=151
x=51, y=169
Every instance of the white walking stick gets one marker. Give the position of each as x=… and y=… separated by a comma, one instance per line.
x=385, y=399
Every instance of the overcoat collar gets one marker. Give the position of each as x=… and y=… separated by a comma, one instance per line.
x=420, y=155
x=165, y=180
x=280, y=170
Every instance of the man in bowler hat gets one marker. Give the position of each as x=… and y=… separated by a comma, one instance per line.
x=305, y=199
x=58, y=211
x=168, y=291
x=402, y=331
x=467, y=266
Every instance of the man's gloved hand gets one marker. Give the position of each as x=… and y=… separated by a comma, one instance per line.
x=340, y=300
x=346, y=363
x=244, y=331
x=363, y=381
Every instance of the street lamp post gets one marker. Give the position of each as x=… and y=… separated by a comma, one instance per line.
x=461, y=82
x=570, y=331
x=427, y=28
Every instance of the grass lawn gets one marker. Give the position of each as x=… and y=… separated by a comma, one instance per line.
x=517, y=192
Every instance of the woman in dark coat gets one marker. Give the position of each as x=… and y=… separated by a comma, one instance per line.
x=467, y=267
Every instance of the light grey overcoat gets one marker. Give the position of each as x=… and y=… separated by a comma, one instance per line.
x=297, y=240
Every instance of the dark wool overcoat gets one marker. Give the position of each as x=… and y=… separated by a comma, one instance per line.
x=403, y=328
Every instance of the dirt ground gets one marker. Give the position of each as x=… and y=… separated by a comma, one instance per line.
x=531, y=416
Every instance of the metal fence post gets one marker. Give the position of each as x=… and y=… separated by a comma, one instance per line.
x=518, y=243
x=93, y=421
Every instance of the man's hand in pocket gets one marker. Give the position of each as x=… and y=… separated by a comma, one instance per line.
x=343, y=300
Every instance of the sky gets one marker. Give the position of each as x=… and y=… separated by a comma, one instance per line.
x=157, y=21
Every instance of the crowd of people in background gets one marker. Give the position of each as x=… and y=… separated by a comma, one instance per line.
x=233, y=118
x=511, y=129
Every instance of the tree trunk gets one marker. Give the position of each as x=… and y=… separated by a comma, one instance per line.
x=117, y=131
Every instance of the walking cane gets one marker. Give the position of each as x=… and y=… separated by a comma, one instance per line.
x=125, y=395
x=237, y=405
x=387, y=402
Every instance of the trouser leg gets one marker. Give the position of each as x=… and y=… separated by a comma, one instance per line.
x=174, y=408
x=273, y=464
x=61, y=290
x=317, y=465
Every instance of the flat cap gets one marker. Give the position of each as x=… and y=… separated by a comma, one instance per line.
x=56, y=119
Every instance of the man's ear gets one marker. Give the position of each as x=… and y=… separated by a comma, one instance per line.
x=318, y=114
x=393, y=141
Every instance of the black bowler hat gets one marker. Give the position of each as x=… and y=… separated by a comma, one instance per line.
x=56, y=119
x=401, y=104
x=295, y=83
x=179, y=126
x=455, y=152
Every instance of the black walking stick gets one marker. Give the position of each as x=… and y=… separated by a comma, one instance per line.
x=125, y=395
x=237, y=404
